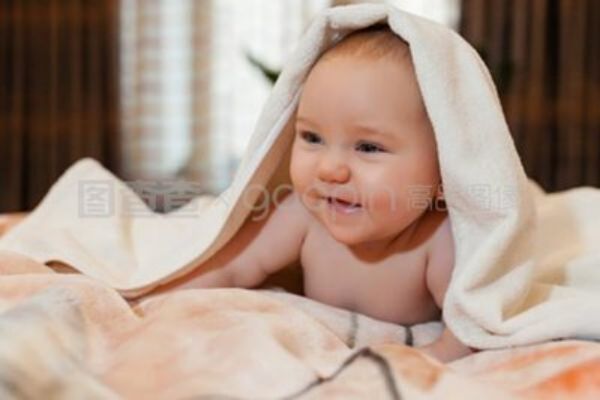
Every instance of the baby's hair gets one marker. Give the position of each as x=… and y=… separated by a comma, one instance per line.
x=372, y=43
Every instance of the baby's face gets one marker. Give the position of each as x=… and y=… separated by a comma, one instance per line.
x=364, y=156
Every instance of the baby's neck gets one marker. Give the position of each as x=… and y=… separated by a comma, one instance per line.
x=402, y=241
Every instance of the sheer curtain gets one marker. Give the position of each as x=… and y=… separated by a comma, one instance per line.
x=190, y=94
x=156, y=82
x=446, y=12
x=266, y=30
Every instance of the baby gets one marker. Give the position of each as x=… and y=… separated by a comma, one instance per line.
x=362, y=217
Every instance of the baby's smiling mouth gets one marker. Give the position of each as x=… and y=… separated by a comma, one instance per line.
x=342, y=202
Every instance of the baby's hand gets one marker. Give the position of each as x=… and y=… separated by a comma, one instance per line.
x=444, y=353
x=447, y=348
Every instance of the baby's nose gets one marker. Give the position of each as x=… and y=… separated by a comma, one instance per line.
x=333, y=168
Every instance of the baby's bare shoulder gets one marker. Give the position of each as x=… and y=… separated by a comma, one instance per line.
x=279, y=210
x=441, y=232
x=277, y=236
x=289, y=208
x=440, y=260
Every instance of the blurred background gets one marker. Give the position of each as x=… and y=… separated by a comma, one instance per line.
x=171, y=89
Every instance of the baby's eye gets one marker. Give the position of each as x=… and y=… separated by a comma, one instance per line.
x=369, y=148
x=310, y=137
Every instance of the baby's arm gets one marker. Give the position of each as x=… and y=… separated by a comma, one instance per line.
x=263, y=245
x=439, y=271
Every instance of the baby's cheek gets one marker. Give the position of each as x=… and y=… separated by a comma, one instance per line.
x=386, y=201
x=301, y=173
x=296, y=173
x=298, y=178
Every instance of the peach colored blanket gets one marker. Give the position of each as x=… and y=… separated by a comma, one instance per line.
x=68, y=336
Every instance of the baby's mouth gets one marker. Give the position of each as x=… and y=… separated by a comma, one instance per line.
x=342, y=203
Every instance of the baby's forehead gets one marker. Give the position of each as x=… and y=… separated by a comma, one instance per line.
x=373, y=45
x=350, y=87
x=354, y=78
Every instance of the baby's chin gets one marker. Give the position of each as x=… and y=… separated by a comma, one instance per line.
x=349, y=235
x=346, y=239
x=363, y=235
x=364, y=244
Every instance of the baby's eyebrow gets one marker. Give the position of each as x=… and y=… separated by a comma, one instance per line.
x=363, y=129
x=304, y=119
x=373, y=131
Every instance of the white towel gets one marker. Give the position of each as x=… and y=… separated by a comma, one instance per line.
x=527, y=263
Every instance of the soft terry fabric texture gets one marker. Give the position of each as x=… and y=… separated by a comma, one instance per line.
x=527, y=263
x=68, y=336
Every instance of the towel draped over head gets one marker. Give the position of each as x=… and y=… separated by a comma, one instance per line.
x=527, y=263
